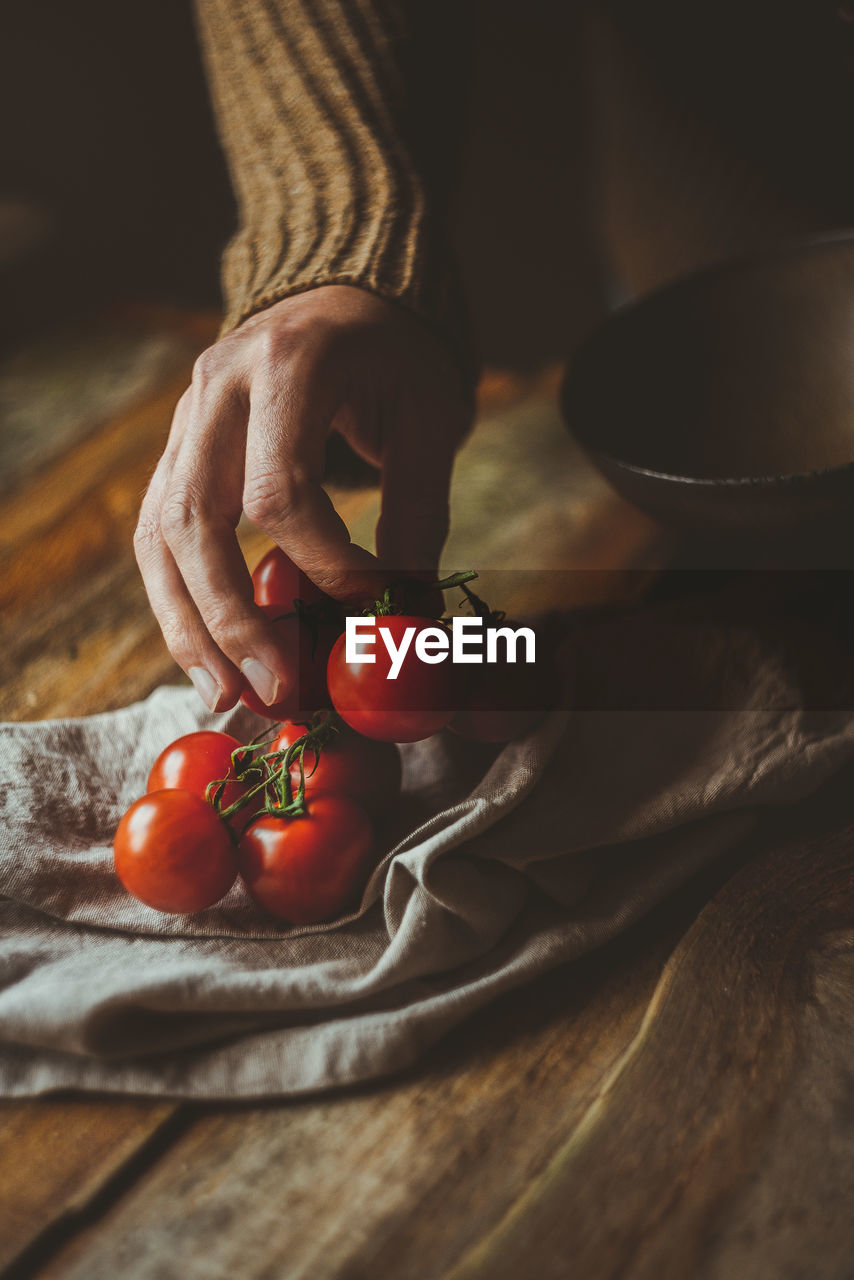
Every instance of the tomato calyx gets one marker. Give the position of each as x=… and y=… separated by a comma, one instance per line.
x=395, y=598
x=244, y=768
x=247, y=768
x=281, y=801
x=268, y=773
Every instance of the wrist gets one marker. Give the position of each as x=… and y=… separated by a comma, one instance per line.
x=348, y=302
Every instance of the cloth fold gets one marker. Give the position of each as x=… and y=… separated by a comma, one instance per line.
x=499, y=865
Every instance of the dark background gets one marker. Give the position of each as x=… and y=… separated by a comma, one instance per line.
x=109, y=131
x=606, y=151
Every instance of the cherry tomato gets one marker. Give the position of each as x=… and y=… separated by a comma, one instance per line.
x=173, y=853
x=277, y=581
x=366, y=771
x=418, y=703
x=308, y=869
x=306, y=650
x=192, y=762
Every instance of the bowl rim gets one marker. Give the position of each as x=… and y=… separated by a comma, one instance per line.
x=789, y=247
x=719, y=482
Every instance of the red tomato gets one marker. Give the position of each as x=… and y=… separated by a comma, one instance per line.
x=366, y=771
x=191, y=762
x=278, y=581
x=306, y=651
x=418, y=703
x=173, y=853
x=308, y=869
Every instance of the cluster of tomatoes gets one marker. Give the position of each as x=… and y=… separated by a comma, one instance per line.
x=293, y=816
x=484, y=703
x=293, y=812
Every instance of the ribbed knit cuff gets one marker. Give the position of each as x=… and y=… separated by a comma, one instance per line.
x=311, y=100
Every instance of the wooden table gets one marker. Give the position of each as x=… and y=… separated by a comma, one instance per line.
x=677, y=1104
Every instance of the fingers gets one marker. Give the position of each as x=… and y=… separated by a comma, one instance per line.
x=186, y=636
x=217, y=681
x=197, y=581
x=198, y=519
x=284, y=497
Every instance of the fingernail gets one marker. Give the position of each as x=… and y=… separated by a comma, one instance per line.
x=263, y=681
x=208, y=689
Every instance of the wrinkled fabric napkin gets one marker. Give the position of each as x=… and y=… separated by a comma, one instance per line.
x=687, y=723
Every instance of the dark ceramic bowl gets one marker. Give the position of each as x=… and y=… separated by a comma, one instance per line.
x=725, y=403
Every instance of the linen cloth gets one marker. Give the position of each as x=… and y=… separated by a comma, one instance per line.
x=499, y=864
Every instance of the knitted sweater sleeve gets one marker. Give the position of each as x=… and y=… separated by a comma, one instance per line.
x=336, y=119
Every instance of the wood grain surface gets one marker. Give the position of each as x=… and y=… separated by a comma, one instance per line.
x=679, y=1102
x=643, y=1181
x=56, y=1158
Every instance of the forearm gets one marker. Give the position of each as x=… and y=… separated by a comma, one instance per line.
x=324, y=113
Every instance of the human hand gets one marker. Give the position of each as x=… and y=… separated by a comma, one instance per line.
x=249, y=435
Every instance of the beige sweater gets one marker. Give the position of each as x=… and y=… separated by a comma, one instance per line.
x=326, y=110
